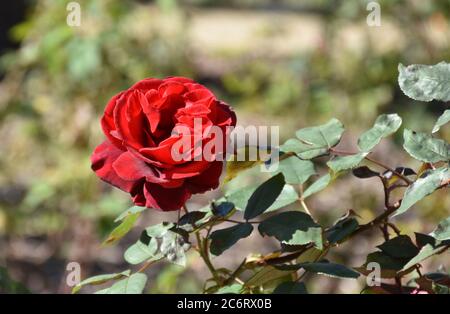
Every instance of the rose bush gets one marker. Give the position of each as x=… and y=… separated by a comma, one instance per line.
x=141, y=126
x=138, y=156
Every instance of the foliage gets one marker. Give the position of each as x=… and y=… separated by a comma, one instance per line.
x=305, y=241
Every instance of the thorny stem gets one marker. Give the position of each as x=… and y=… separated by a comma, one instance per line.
x=146, y=265
x=203, y=251
x=236, y=273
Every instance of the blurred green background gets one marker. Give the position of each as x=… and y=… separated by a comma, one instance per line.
x=277, y=62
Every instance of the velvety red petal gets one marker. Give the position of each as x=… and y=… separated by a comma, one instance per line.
x=179, y=79
x=225, y=115
x=165, y=199
x=207, y=180
x=107, y=122
x=129, y=167
x=147, y=84
x=171, y=88
x=102, y=160
x=187, y=170
x=163, y=152
x=124, y=115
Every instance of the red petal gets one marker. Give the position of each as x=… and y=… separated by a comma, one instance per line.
x=107, y=122
x=131, y=168
x=165, y=199
x=147, y=84
x=102, y=159
x=207, y=180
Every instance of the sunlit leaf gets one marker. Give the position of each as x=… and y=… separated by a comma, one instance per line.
x=422, y=187
x=425, y=82
x=158, y=241
x=140, y=252
x=385, y=125
x=443, y=119
x=342, y=163
x=121, y=230
x=232, y=289
x=295, y=170
x=133, y=284
x=317, y=186
x=424, y=147
x=129, y=211
x=425, y=252
x=315, y=141
x=442, y=231
x=100, y=279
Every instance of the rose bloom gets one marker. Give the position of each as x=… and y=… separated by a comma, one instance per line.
x=141, y=127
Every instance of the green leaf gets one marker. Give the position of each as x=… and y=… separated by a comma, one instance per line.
x=443, y=119
x=172, y=242
x=342, y=163
x=425, y=82
x=121, y=230
x=223, y=239
x=134, y=284
x=385, y=125
x=293, y=228
x=425, y=148
x=341, y=230
x=130, y=211
x=162, y=240
x=140, y=252
x=264, y=196
x=173, y=246
x=425, y=252
x=240, y=197
x=399, y=247
x=364, y=172
x=159, y=230
x=389, y=265
x=315, y=141
x=268, y=274
x=295, y=170
x=422, y=187
x=189, y=220
x=100, y=279
x=442, y=232
x=330, y=269
x=317, y=186
x=289, y=287
x=223, y=209
x=232, y=289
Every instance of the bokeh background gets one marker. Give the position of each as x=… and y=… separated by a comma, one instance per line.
x=277, y=62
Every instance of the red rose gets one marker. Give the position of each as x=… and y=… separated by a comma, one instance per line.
x=142, y=126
